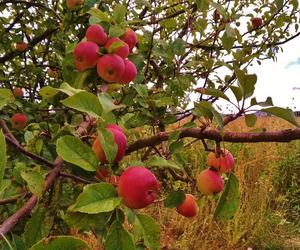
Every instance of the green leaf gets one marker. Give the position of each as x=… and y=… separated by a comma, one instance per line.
x=141, y=89
x=247, y=82
x=267, y=102
x=73, y=150
x=215, y=93
x=3, y=157
x=237, y=92
x=229, y=201
x=218, y=7
x=81, y=77
x=96, y=198
x=107, y=103
x=37, y=227
x=69, y=90
x=6, y=96
x=85, y=221
x=116, y=31
x=206, y=109
x=174, y=199
x=119, y=13
x=203, y=108
x=108, y=144
x=178, y=47
x=118, y=238
x=34, y=180
x=227, y=41
x=60, y=243
x=157, y=161
x=150, y=231
x=250, y=120
x=84, y=102
x=286, y=114
x=99, y=14
x=48, y=92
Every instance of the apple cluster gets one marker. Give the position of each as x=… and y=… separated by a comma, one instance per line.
x=137, y=186
x=108, y=54
x=209, y=181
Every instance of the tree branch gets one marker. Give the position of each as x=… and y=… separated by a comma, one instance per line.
x=9, y=223
x=13, y=142
x=33, y=42
x=214, y=134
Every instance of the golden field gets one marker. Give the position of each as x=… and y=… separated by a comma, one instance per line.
x=261, y=221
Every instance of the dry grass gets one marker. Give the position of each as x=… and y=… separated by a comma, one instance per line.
x=254, y=169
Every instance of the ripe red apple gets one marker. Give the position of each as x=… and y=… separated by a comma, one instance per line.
x=19, y=121
x=189, y=207
x=209, y=182
x=138, y=187
x=120, y=140
x=116, y=46
x=95, y=33
x=130, y=38
x=18, y=92
x=256, y=22
x=74, y=4
x=130, y=72
x=21, y=46
x=86, y=55
x=223, y=162
x=110, y=67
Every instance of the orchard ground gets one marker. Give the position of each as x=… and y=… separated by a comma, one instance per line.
x=264, y=219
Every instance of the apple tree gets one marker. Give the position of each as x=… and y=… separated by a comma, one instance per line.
x=91, y=93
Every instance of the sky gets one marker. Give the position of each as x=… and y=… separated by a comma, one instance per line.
x=281, y=79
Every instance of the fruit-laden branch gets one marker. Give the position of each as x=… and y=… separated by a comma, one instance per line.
x=33, y=42
x=214, y=134
x=10, y=222
x=10, y=139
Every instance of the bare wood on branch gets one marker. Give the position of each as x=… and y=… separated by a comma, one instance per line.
x=214, y=134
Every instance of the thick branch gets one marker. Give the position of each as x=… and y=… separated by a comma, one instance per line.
x=214, y=134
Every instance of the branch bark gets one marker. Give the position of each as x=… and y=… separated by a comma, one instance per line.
x=214, y=134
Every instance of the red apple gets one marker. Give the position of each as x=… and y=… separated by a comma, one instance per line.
x=86, y=55
x=19, y=121
x=223, y=162
x=110, y=67
x=116, y=46
x=95, y=33
x=189, y=207
x=18, y=92
x=256, y=22
x=73, y=4
x=21, y=46
x=209, y=182
x=115, y=126
x=138, y=187
x=120, y=140
x=130, y=38
x=130, y=72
